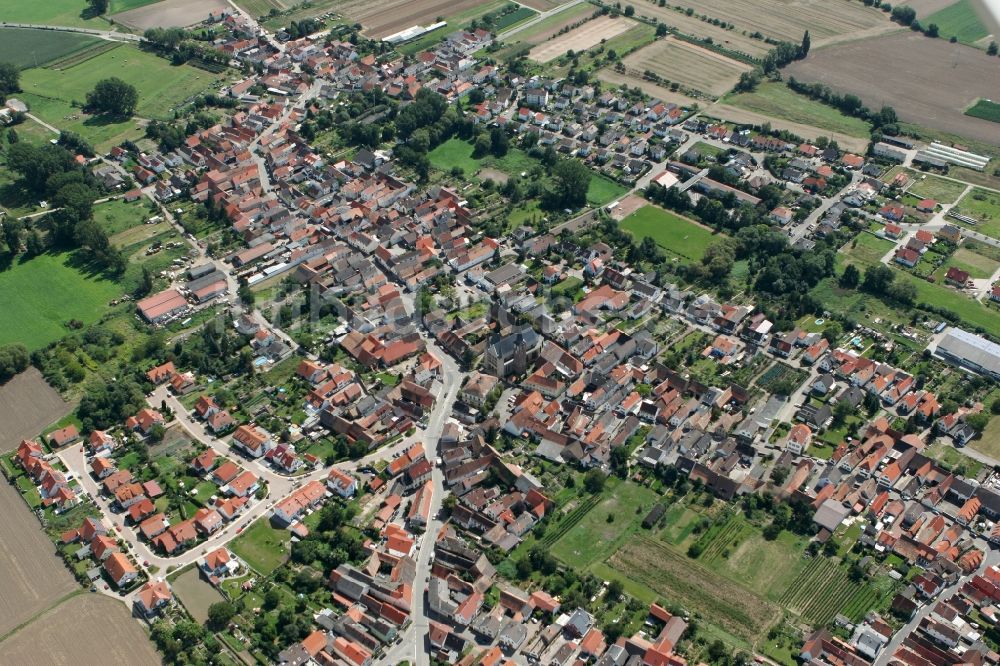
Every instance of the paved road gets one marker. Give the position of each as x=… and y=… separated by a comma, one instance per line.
x=110, y=35
x=538, y=19
x=414, y=636
x=992, y=558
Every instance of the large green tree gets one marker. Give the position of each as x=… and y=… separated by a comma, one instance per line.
x=572, y=179
x=113, y=97
x=10, y=78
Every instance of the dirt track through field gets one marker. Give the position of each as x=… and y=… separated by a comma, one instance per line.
x=86, y=630
x=27, y=405
x=898, y=69
x=580, y=39
x=31, y=576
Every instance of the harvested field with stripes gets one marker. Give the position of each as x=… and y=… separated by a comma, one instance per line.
x=693, y=67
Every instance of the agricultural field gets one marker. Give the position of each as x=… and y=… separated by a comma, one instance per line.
x=823, y=589
x=40, y=295
x=589, y=537
x=983, y=206
x=549, y=27
x=786, y=20
x=652, y=89
x=693, y=67
x=959, y=20
x=734, y=39
x=27, y=405
x=195, y=594
x=91, y=627
x=385, y=18
x=54, y=95
x=25, y=47
x=738, y=551
x=261, y=546
x=582, y=38
x=913, y=59
x=779, y=374
x=677, y=235
x=672, y=575
x=32, y=577
x=74, y=13
x=778, y=100
x=985, y=109
x=142, y=15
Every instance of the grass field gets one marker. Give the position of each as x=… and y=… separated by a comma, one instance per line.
x=39, y=296
x=116, y=6
x=866, y=250
x=960, y=21
x=985, y=109
x=778, y=100
x=25, y=47
x=603, y=191
x=195, y=593
x=55, y=95
x=975, y=264
x=262, y=546
x=50, y=12
x=118, y=216
x=984, y=206
x=928, y=186
x=673, y=233
x=593, y=538
x=738, y=551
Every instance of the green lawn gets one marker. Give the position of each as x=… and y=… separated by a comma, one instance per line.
x=983, y=206
x=971, y=312
x=866, y=250
x=766, y=567
x=117, y=216
x=958, y=20
x=593, y=538
x=985, y=109
x=116, y=6
x=603, y=191
x=50, y=12
x=939, y=189
x=38, y=296
x=780, y=101
x=454, y=153
x=262, y=546
x=25, y=47
x=55, y=96
x=673, y=233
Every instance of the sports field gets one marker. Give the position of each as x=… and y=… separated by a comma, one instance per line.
x=51, y=94
x=675, y=234
x=780, y=101
x=25, y=47
x=40, y=295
